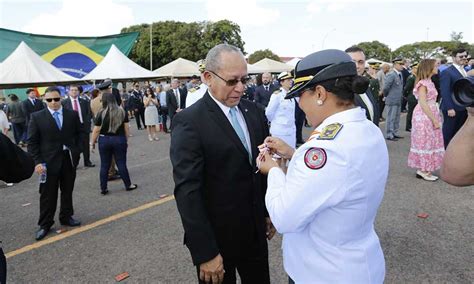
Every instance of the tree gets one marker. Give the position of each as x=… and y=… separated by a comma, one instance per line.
x=261, y=54
x=456, y=36
x=172, y=40
x=437, y=49
x=375, y=49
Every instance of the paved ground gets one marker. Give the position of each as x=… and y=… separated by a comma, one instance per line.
x=147, y=242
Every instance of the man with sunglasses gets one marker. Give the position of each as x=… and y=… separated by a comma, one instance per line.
x=219, y=194
x=454, y=115
x=54, y=142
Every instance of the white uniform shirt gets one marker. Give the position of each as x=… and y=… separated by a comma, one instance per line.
x=281, y=114
x=327, y=215
x=193, y=97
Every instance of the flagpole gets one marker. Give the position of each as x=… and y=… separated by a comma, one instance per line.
x=151, y=47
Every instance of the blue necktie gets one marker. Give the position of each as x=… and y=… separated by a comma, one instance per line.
x=238, y=129
x=56, y=118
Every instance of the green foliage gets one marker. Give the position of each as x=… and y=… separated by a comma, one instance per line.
x=456, y=36
x=172, y=40
x=261, y=54
x=437, y=49
x=375, y=49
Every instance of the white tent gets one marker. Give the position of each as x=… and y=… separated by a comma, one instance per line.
x=272, y=66
x=293, y=61
x=117, y=66
x=252, y=69
x=373, y=60
x=178, y=68
x=23, y=67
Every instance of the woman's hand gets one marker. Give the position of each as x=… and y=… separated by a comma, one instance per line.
x=279, y=147
x=265, y=162
x=436, y=124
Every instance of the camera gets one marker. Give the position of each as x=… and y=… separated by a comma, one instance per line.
x=463, y=92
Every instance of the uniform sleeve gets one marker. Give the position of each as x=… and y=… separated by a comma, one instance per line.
x=272, y=107
x=388, y=83
x=295, y=199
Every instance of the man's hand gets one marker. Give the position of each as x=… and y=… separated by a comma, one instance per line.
x=212, y=271
x=39, y=169
x=451, y=112
x=270, y=228
x=178, y=110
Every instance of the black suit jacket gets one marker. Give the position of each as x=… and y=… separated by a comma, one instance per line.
x=262, y=96
x=28, y=108
x=375, y=106
x=219, y=196
x=15, y=164
x=85, y=111
x=45, y=140
x=172, y=103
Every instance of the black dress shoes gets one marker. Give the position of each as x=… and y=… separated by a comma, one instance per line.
x=89, y=165
x=131, y=187
x=71, y=222
x=104, y=192
x=41, y=233
x=398, y=137
x=392, y=139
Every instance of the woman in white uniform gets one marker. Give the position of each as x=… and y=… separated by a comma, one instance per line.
x=281, y=113
x=326, y=203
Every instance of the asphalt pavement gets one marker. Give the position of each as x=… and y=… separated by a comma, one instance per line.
x=140, y=233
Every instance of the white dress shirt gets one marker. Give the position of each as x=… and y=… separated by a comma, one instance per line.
x=79, y=112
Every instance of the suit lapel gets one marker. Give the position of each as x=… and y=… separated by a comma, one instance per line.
x=219, y=117
x=51, y=121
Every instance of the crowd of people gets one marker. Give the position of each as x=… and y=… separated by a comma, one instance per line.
x=240, y=165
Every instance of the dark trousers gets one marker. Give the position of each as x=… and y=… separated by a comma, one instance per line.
x=404, y=103
x=140, y=114
x=412, y=102
x=164, y=119
x=299, y=121
x=19, y=132
x=113, y=146
x=451, y=125
x=3, y=268
x=86, y=150
x=49, y=193
x=253, y=270
x=381, y=105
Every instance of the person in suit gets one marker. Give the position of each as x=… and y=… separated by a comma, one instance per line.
x=83, y=109
x=454, y=115
x=367, y=100
x=408, y=94
x=54, y=141
x=264, y=91
x=219, y=195
x=406, y=72
x=136, y=104
x=175, y=99
x=15, y=166
x=392, y=90
x=31, y=105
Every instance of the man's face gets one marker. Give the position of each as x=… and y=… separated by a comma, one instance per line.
x=460, y=58
x=232, y=67
x=73, y=92
x=398, y=66
x=266, y=77
x=174, y=84
x=53, y=99
x=136, y=87
x=359, y=60
x=386, y=68
x=32, y=95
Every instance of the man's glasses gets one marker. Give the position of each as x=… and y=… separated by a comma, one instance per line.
x=462, y=56
x=232, y=82
x=53, y=99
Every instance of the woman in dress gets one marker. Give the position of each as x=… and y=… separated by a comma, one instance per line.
x=151, y=113
x=427, y=146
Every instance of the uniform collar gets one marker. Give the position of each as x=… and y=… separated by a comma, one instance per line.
x=354, y=114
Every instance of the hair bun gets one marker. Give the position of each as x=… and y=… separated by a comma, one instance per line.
x=360, y=84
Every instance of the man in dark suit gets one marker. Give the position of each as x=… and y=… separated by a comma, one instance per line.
x=83, y=109
x=219, y=195
x=54, y=136
x=367, y=100
x=31, y=105
x=264, y=91
x=175, y=99
x=454, y=115
x=136, y=104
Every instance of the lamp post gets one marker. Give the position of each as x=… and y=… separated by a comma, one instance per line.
x=427, y=33
x=325, y=36
x=151, y=47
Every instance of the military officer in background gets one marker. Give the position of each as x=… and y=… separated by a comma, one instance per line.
x=326, y=203
x=197, y=92
x=281, y=113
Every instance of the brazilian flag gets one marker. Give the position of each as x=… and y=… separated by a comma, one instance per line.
x=76, y=56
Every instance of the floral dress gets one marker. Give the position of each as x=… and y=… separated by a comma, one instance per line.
x=427, y=146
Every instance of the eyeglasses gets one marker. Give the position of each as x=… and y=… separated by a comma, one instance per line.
x=53, y=99
x=232, y=82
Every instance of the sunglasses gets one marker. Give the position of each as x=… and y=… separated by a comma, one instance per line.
x=53, y=99
x=462, y=56
x=232, y=82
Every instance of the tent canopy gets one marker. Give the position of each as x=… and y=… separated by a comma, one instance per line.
x=272, y=66
x=252, y=69
x=25, y=68
x=117, y=66
x=178, y=68
x=293, y=61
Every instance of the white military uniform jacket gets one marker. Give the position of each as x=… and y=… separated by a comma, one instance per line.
x=194, y=96
x=281, y=114
x=326, y=204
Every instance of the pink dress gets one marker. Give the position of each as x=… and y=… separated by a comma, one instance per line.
x=427, y=146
